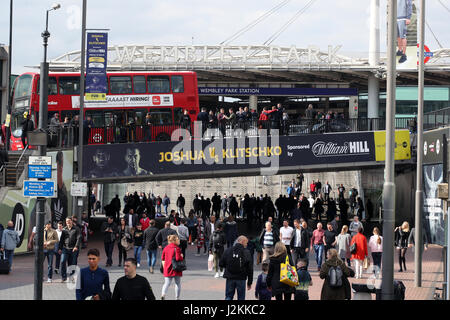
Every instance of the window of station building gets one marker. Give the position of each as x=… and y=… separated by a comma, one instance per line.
x=177, y=84
x=69, y=85
x=158, y=84
x=161, y=116
x=139, y=84
x=52, y=86
x=120, y=84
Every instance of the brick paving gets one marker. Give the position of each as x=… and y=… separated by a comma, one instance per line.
x=198, y=283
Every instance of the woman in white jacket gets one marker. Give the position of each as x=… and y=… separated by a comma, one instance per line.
x=376, y=248
x=343, y=245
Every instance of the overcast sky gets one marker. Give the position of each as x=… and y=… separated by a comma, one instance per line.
x=209, y=22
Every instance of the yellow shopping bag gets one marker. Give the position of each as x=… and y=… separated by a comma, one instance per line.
x=288, y=274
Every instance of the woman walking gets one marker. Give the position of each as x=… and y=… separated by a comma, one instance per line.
x=343, y=245
x=330, y=292
x=124, y=231
x=376, y=249
x=138, y=237
x=361, y=252
x=171, y=251
x=401, y=241
x=201, y=237
x=278, y=288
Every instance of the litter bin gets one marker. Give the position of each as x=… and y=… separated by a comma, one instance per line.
x=362, y=291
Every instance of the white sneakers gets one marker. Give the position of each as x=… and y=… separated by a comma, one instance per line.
x=216, y=275
x=49, y=280
x=221, y=273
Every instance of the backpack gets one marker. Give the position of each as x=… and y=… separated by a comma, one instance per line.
x=216, y=240
x=335, y=277
x=236, y=261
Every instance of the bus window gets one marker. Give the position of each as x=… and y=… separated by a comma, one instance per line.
x=158, y=84
x=177, y=84
x=52, y=86
x=120, y=84
x=140, y=117
x=161, y=116
x=69, y=85
x=97, y=118
x=23, y=86
x=139, y=84
x=177, y=115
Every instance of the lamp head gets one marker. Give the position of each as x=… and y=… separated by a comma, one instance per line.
x=56, y=6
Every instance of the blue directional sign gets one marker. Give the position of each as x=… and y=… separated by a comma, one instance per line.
x=38, y=171
x=45, y=189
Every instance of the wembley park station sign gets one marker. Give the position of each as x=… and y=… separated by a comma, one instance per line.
x=225, y=54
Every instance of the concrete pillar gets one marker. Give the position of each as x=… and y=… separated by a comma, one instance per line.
x=253, y=102
x=374, y=61
x=373, y=102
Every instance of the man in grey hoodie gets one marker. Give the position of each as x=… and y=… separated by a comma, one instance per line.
x=9, y=241
x=404, y=13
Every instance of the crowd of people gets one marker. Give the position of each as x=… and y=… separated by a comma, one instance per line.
x=290, y=231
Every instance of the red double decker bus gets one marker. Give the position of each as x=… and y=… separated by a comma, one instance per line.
x=131, y=95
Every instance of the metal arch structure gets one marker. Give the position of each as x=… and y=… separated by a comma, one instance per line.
x=226, y=63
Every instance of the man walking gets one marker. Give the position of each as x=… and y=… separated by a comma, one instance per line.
x=151, y=245
x=69, y=246
x=132, y=286
x=183, y=235
x=326, y=191
x=93, y=281
x=110, y=232
x=50, y=239
x=238, y=266
x=10, y=239
x=181, y=202
x=267, y=240
x=161, y=237
x=299, y=242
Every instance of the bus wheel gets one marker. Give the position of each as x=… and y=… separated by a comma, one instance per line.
x=163, y=137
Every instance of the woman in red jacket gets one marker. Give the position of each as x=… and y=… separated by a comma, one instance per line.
x=171, y=250
x=361, y=252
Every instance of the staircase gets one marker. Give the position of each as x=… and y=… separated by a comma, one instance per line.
x=12, y=170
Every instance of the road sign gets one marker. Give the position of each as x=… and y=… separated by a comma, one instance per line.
x=78, y=189
x=45, y=189
x=40, y=167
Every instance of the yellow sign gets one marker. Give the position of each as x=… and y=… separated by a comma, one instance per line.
x=402, y=145
x=95, y=97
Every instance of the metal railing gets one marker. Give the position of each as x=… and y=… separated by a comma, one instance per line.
x=436, y=119
x=67, y=137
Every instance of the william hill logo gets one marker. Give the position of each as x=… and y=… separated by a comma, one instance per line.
x=331, y=149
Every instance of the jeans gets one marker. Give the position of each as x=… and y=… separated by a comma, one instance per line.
x=137, y=254
x=9, y=256
x=168, y=282
x=235, y=285
x=109, y=248
x=376, y=256
x=183, y=246
x=318, y=249
x=49, y=254
x=69, y=257
x=151, y=257
x=165, y=209
x=217, y=256
x=122, y=253
x=57, y=257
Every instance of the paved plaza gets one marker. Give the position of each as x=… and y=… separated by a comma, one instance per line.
x=198, y=283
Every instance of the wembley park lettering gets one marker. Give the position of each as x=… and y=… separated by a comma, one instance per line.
x=223, y=54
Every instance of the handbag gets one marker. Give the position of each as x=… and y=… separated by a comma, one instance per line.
x=178, y=266
x=366, y=263
x=126, y=244
x=210, y=262
x=288, y=274
x=353, y=248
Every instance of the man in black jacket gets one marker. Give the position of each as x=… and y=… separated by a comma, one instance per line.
x=110, y=232
x=69, y=246
x=150, y=244
x=161, y=237
x=181, y=202
x=299, y=242
x=131, y=219
x=238, y=266
x=204, y=119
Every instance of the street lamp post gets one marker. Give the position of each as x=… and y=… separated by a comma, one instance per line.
x=387, y=285
x=40, y=211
